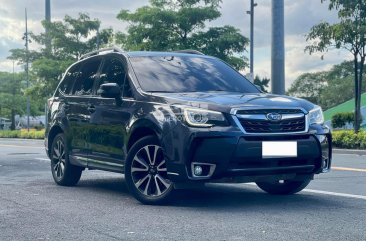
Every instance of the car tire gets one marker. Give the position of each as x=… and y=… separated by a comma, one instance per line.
x=283, y=187
x=146, y=172
x=63, y=172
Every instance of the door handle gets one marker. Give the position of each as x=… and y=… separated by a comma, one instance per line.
x=91, y=109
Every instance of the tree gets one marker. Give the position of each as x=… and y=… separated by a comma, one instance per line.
x=309, y=86
x=262, y=83
x=70, y=38
x=324, y=87
x=337, y=92
x=221, y=42
x=168, y=25
x=12, y=101
x=349, y=34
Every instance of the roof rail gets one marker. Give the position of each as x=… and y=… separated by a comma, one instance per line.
x=113, y=49
x=189, y=51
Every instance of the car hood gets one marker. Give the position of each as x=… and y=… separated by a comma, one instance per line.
x=224, y=102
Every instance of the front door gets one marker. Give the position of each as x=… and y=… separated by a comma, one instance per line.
x=110, y=119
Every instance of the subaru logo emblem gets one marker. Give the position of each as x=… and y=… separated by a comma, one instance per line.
x=274, y=116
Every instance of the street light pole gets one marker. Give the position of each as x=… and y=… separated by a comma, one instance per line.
x=27, y=65
x=278, y=47
x=13, y=108
x=48, y=20
x=251, y=13
x=98, y=39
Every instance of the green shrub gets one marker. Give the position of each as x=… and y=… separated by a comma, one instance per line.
x=32, y=134
x=9, y=134
x=39, y=127
x=349, y=139
x=339, y=120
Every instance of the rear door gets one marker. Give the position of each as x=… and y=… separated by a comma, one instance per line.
x=78, y=113
x=111, y=116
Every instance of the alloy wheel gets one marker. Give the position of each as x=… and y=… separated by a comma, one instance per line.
x=58, y=158
x=149, y=172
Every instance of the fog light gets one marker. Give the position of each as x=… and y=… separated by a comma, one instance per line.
x=198, y=170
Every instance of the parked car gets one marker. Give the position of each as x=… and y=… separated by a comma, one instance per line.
x=4, y=123
x=171, y=120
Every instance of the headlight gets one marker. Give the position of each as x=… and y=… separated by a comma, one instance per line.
x=316, y=116
x=202, y=118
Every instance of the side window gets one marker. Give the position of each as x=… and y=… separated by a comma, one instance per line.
x=114, y=72
x=88, y=74
x=70, y=77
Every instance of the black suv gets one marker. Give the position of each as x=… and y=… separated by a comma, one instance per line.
x=170, y=120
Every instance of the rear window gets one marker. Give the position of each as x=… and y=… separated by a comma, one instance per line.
x=68, y=81
x=188, y=74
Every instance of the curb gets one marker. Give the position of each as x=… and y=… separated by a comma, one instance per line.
x=349, y=151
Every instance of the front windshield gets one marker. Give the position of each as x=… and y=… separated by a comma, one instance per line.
x=188, y=74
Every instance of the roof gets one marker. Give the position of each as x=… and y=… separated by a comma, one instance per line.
x=159, y=54
x=347, y=106
x=114, y=49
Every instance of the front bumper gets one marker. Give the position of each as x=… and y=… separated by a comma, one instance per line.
x=229, y=155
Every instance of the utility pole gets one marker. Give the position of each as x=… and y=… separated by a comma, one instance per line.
x=48, y=20
x=27, y=64
x=251, y=13
x=98, y=39
x=278, y=47
x=48, y=10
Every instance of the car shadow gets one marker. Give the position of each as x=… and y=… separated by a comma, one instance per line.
x=218, y=196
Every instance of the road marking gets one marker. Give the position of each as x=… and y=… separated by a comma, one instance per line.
x=349, y=154
x=336, y=194
x=42, y=159
x=348, y=169
x=21, y=146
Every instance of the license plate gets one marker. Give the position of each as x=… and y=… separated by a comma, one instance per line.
x=277, y=149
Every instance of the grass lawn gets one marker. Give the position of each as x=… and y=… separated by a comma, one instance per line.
x=347, y=106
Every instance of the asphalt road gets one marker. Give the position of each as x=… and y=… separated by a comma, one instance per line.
x=32, y=207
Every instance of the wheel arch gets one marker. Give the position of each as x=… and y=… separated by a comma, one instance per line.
x=141, y=129
x=54, y=131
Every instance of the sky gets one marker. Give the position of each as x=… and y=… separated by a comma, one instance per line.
x=300, y=16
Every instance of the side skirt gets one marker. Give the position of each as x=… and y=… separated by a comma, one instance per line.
x=93, y=164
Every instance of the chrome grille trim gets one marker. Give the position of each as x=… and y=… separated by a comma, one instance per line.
x=234, y=111
x=262, y=117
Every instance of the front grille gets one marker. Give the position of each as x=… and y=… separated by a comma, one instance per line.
x=262, y=125
x=266, y=111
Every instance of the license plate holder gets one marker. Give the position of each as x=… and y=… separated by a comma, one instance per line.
x=278, y=149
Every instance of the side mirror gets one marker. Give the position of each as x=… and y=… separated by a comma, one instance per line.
x=109, y=90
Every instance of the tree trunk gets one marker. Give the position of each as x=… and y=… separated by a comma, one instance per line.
x=12, y=126
x=357, y=104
